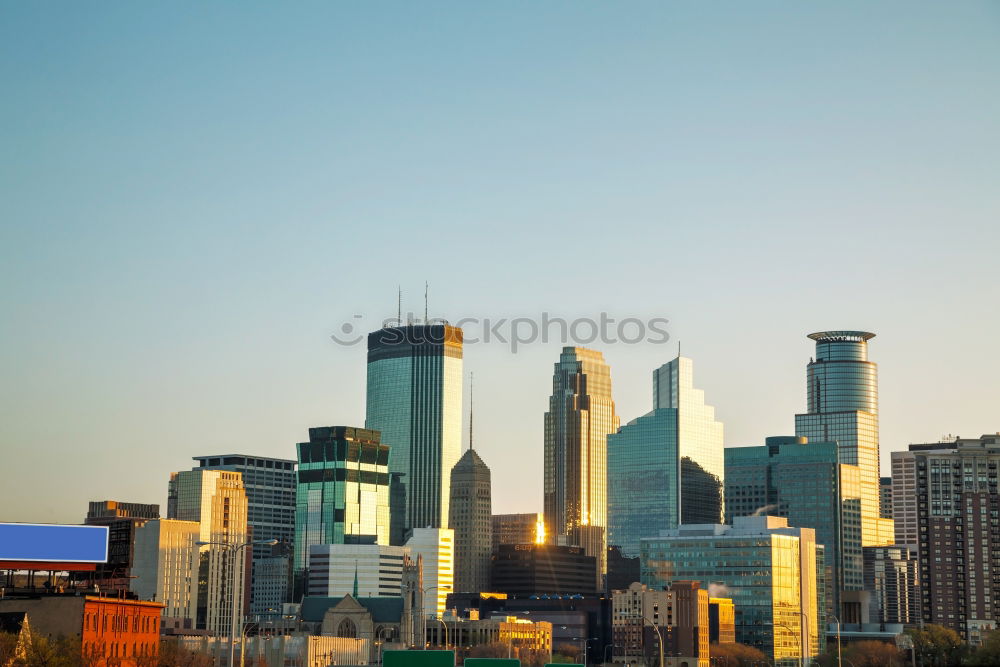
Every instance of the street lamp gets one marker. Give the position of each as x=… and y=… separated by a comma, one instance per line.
x=840, y=658
x=659, y=636
x=234, y=548
x=782, y=625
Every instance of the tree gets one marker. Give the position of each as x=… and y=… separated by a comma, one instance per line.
x=172, y=654
x=988, y=653
x=491, y=650
x=869, y=653
x=937, y=645
x=567, y=653
x=735, y=655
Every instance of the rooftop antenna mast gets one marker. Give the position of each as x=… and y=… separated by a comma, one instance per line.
x=399, y=305
x=472, y=386
x=426, y=319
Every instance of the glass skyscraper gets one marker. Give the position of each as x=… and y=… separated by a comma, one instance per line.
x=842, y=395
x=666, y=467
x=343, y=490
x=580, y=417
x=772, y=572
x=804, y=482
x=415, y=400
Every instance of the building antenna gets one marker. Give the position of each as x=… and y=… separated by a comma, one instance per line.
x=472, y=386
x=678, y=347
x=426, y=319
x=399, y=305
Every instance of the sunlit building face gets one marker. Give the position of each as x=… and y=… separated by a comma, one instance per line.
x=581, y=415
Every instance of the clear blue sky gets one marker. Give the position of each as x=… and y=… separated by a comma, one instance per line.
x=194, y=196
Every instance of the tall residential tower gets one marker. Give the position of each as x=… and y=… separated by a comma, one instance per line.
x=842, y=393
x=580, y=417
x=415, y=399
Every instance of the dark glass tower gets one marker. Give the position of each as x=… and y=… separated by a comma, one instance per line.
x=415, y=399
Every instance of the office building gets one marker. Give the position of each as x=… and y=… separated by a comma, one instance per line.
x=842, y=402
x=804, y=482
x=415, y=400
x=958, y=515
x=679, y=615
x=891, y=578
x=524, y=570
x=434, y=548
x=721, y=621
x=343, y=490
x=270, y=488
x=166, y=568
x=524, y=528
x=622, y=571
x=368, y=570
x=471, y=513
x=111, y=630
x=666, y=467
x=771, y=571
x=122, y=520
x=581, y=415
x=885, y=497
x=217, y=501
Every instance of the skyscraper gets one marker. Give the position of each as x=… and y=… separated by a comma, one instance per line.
x=471, y=518
x=343, y=490
x=415, y=399
x=270, y=488
x=842, y=394
x=666, y=467
x=216, y=500
x=804, y=482
x=580, y=417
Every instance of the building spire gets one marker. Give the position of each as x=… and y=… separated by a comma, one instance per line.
x=355, y=580
x=472, y=386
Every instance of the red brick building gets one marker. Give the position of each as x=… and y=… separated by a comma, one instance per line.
x=116, y=631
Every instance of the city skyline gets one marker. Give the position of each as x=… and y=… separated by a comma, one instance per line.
x=178, y=183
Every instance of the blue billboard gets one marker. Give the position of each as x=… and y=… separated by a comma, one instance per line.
x=53, y=543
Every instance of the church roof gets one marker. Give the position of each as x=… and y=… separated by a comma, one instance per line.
x=383, y=610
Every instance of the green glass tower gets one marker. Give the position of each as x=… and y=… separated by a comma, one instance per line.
x=804, y=482
x=342, y=495
x=842, y=397
x=666, y=467
x=414, y=399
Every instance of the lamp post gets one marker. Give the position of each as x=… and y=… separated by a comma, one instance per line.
x=234, y=548
x=659, y=636
x=840, y=657
x=381, y=644
x=782, y=625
